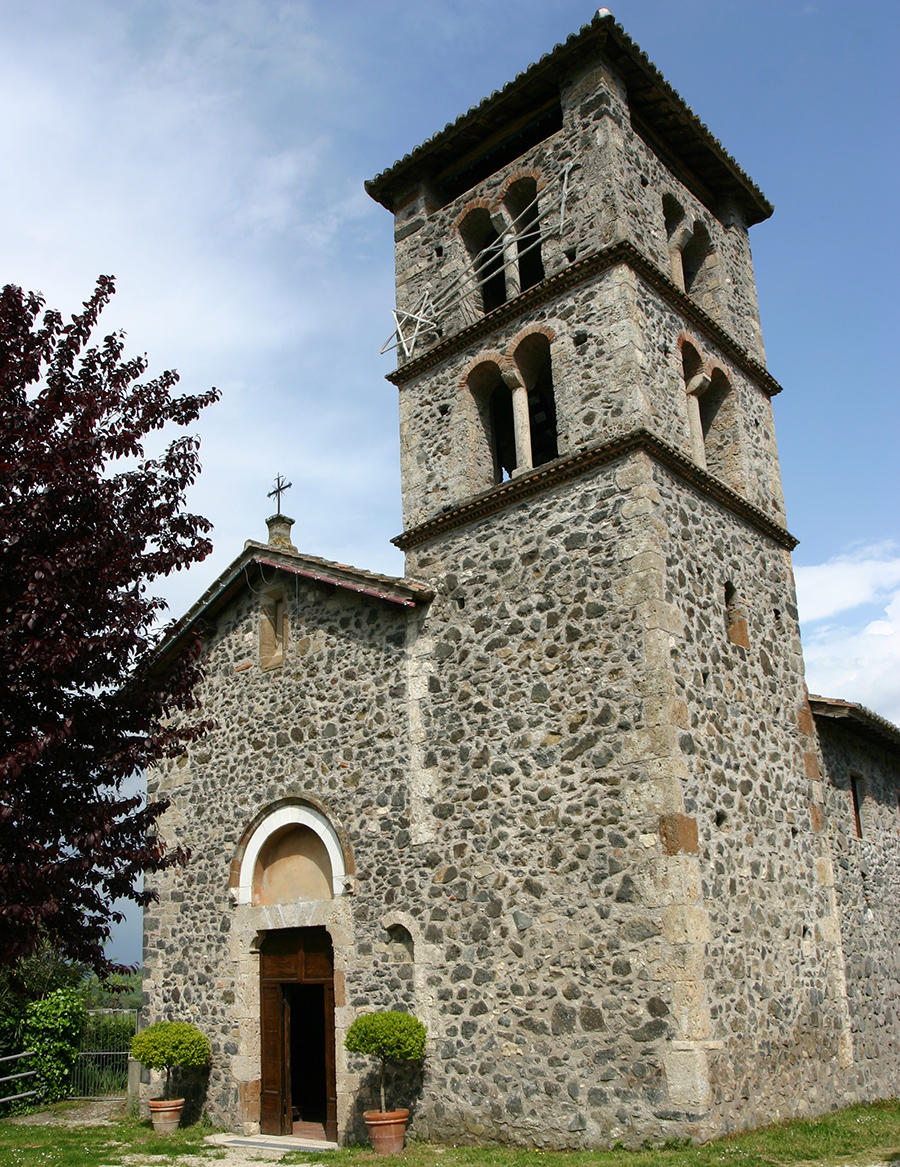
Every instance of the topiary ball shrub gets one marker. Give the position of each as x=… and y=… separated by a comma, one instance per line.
x=388, y=1036
x=171, y=1043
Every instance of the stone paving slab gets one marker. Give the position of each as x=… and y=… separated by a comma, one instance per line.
x=283, y=1143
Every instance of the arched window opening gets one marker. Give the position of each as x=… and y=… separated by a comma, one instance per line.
x=691, y=362
x=735, y=617
x=522, y=203
x=673, y=212
x=677, y=234
x=503, y=432
x=718, y=422
x=293, y=865
x=485, y=248
x=695, y=259
x=494, y=401
x=533, y=360
x=857, y=801
x=695, y=382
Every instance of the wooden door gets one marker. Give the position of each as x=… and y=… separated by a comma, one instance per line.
x=330, y=1075
x=275, y=1102
x=288, y=957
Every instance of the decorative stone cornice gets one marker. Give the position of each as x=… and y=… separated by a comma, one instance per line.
x=579, y=273
x=588, y=458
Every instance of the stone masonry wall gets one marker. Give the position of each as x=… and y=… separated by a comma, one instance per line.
x=669, y=964
x=328, y=726
x=548, y=1027
x=616, y=366
x=867, y=883
x=775, y=1007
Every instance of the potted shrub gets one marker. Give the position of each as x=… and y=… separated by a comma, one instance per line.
x=388, y=1036
x=162, y=1047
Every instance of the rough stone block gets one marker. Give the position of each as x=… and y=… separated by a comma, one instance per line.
x=687, y=1079
x=678, y=833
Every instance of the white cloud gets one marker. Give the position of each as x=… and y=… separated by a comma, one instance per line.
x=847, y=581
x=857, y=659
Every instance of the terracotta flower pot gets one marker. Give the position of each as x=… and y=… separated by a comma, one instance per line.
x=386, y=1130
x=166, y=1114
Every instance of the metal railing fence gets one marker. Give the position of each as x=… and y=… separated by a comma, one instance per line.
x=17, y=1077
x=101, y=1068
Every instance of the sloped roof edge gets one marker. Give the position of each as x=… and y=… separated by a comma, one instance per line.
x=864, y=721
x=649, y=95
x=403, y=592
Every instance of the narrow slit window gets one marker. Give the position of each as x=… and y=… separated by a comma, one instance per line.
x=273, y=633
x=735, y=618
x=856, y=798
x=279, y=626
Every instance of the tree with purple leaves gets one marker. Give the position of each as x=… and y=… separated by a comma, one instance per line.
x=87, y=522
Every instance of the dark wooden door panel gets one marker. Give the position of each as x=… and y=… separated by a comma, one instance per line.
x=330, y=1074
x=271, y=1108
x=294, y=956
x=287, y=1104
x=318, y=966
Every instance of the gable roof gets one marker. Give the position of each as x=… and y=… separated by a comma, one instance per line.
x=856, y=717
x=405, y=593
x=659, y=114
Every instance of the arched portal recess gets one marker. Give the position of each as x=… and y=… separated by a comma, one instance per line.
x=294, y=854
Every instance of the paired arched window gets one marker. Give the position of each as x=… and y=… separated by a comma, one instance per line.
x=505, y=248
x=713, y=415
x=516, y=411
x=692, y=257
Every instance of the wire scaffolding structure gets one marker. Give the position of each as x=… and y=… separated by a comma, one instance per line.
x=498, y=256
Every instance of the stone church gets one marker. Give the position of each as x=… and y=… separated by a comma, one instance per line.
x=560, y=790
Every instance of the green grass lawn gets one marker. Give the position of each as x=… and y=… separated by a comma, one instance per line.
x=865, y=1135
x=76, y=1146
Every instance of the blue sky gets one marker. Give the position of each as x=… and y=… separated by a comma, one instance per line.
x=211, y=156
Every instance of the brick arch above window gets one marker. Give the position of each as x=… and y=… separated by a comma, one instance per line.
x=477, y=204
x=503, y=361
x=516, y=176
x=529, y=330
x=688, y=339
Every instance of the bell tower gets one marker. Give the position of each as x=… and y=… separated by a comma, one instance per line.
x=611, y=770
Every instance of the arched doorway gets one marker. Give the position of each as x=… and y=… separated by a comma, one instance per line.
x=298, y=1087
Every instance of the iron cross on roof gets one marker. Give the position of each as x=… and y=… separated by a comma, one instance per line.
x=280, y=487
